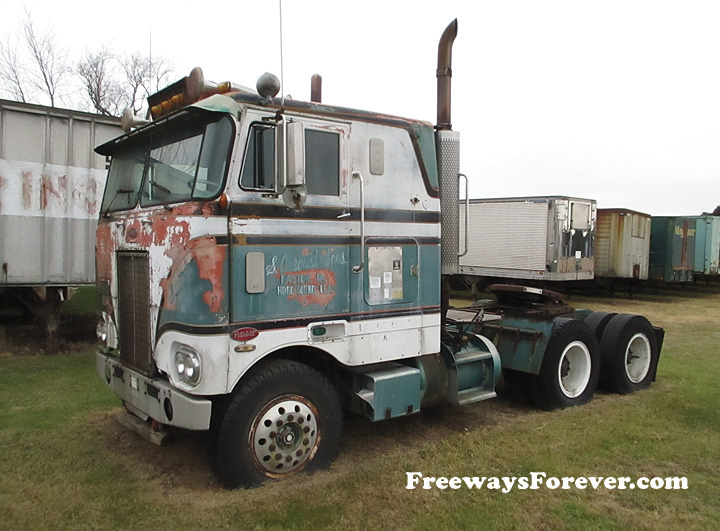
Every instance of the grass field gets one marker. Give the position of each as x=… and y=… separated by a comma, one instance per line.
x=66, y=464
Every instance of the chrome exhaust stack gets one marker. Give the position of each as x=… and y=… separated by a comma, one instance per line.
x=444, y=76
x=448, y=155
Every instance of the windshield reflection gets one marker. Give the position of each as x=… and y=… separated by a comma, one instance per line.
x=184, y=160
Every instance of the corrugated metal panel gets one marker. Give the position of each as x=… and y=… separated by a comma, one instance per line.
x=507, y=235
x=51, y=185
x=531, y=238
x=622, y=244
x=603, y=237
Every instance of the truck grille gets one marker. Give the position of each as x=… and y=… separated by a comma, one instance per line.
x=134, y=310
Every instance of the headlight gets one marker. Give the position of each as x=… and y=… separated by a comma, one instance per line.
x=106, y=331
x=187, y=365
x=101, y=331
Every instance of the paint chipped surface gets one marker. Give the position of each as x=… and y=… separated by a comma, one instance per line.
x=60, y=203
x=209, y=259
x=50, y=190
x=311, y=286
x=27, y=189
x=188, y=279
x=104, y=248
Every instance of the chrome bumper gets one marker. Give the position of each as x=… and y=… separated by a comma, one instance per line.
x=153, y=398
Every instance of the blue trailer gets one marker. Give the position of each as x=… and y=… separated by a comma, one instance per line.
x=707, y=245
x=672, y=249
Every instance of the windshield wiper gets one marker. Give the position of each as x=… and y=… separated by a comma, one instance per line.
x=162, y=189
x=117, y=193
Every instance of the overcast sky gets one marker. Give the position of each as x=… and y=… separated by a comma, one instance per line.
x=617, y=101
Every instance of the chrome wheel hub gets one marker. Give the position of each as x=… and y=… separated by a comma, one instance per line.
x=284, y=435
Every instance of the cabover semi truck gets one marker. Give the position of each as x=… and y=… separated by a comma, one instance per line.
x=266, y=264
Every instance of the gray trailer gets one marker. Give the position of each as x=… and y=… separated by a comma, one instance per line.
x=51, y=185
x=529, y=238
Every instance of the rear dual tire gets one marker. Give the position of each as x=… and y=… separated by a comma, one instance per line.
x=570, y=369
x=597, y=322
x=629, y=354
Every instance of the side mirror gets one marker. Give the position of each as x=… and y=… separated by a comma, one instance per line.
x=295, y=162
x=291, y=155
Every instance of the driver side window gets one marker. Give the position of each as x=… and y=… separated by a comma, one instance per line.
x=259, y=168
x=322, y=160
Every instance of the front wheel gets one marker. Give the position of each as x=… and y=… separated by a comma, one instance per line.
x=285, y=419
x=570, y=367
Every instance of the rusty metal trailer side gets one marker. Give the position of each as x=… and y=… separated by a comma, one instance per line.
x=622, y=244
x=51, y=184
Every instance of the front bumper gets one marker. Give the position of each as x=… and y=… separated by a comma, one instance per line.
x=153, y=398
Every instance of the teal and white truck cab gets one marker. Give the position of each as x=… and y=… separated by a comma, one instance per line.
x=266, y=263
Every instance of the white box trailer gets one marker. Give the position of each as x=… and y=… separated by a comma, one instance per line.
x=530, y=238
x=51, y=185
x=622, y=244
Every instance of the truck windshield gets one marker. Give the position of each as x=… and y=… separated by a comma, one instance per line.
x=184, y=159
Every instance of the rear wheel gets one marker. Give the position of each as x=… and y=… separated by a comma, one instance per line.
x=285, y=419
x=629, y=354
x=570, y=368
x=598, y=321
x=516, y=382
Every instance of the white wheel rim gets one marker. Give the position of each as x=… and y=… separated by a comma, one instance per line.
x=574, y=369
x=637, y=358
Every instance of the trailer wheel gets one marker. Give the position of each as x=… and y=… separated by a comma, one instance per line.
x=629, y=354
x=597, y=322
x=286, y=419
x=570, y=368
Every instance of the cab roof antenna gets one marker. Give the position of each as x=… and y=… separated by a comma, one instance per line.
x=282, y=71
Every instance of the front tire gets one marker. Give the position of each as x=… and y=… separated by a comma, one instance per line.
x=284, y=420
x=570, y=369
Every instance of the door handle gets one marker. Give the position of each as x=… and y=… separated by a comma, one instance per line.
x=359, y=268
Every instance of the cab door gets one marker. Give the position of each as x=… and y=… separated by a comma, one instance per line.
x=387, y=226
x=291, y=246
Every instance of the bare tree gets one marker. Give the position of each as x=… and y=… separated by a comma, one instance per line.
x=136, y=70
x=96, y=73
x=36, y=64
x=143, y=76
x=49, y=61
x=160, y=72
x=11, y=71
x=112, y=83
